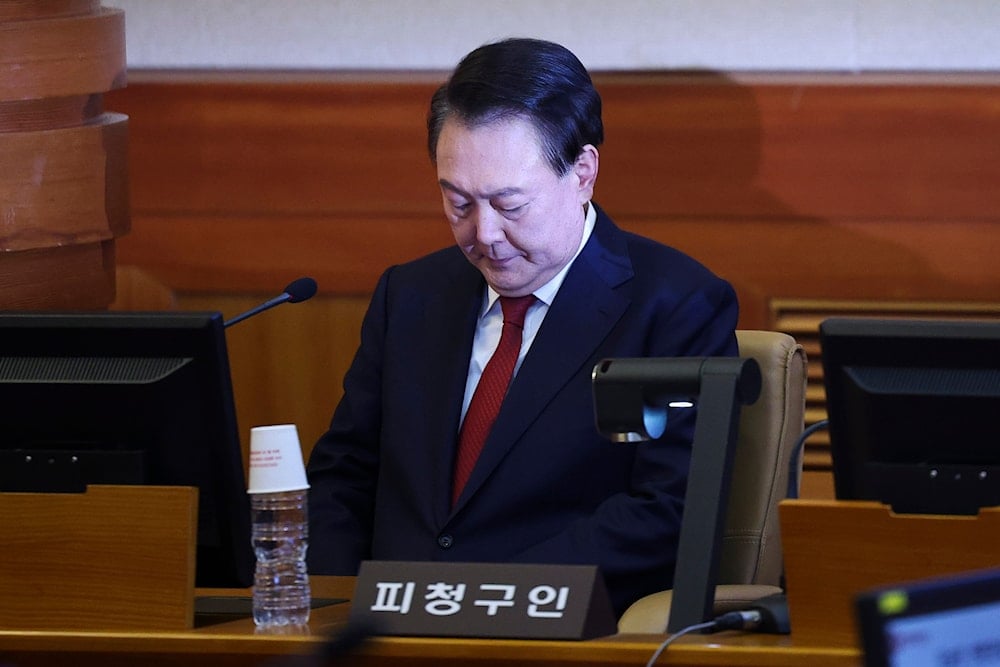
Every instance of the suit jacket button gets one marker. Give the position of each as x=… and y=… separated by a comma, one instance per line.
x=445, y=541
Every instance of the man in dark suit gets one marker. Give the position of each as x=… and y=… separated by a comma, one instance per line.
x=514, y=136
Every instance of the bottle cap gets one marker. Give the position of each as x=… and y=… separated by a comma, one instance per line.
x=276, y=460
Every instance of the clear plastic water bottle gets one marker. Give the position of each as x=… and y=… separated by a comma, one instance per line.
x=281, y=594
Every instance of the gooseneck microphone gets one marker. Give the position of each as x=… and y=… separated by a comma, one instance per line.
x=296, y=291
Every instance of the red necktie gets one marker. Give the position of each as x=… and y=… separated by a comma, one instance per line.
x=490, y=391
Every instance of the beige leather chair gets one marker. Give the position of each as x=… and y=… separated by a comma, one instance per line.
x=751, y=565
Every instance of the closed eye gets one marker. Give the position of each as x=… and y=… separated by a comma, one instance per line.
x=509, y=211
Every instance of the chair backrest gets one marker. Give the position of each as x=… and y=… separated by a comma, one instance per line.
x=768, y=432
x=750, y=565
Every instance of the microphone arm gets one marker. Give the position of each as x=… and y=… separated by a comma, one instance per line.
x=271, y=303
x=296, y=291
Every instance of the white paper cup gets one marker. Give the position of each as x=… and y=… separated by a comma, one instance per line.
x=276, y=460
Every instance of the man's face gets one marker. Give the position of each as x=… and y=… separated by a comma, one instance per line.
x=513, y=217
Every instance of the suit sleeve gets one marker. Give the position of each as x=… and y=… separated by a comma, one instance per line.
x=343, y=466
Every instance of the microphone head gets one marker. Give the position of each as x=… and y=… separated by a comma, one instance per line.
x=301, y=289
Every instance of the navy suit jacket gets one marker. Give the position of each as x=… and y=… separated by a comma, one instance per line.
x=548, y=488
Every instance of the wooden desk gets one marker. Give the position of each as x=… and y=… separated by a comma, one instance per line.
x=834, y=549
x=235, y=642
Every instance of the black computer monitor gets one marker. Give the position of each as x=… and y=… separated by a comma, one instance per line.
x=914, y=410
x=128, y=398
x=947, y=620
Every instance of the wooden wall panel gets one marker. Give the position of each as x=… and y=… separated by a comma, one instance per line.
x=287, y=365
x=241, y=144
x=831, y=187
x=893, y=180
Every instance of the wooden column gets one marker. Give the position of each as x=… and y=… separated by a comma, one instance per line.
x=63, y=167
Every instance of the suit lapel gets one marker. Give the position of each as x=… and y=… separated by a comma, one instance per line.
x=584, y=311
x=449, y=322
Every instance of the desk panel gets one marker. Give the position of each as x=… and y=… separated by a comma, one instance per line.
x=234, y=642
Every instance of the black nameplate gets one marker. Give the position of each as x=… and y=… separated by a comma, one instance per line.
x=488, y=600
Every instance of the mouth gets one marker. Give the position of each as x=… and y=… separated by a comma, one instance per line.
x=486, y=259
x=500, y=263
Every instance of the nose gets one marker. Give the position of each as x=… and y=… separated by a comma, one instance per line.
x=489, y=226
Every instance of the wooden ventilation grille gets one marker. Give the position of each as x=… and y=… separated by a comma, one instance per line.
x=801, y=319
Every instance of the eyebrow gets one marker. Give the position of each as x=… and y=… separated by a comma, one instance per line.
x=502, y=192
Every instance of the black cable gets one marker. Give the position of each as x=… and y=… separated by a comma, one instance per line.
x=793, y=466
x=734, y=620
x=793, y=477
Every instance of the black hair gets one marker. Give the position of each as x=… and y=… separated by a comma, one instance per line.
x=540, y=81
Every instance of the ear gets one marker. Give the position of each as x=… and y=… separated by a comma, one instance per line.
x=585, y=168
